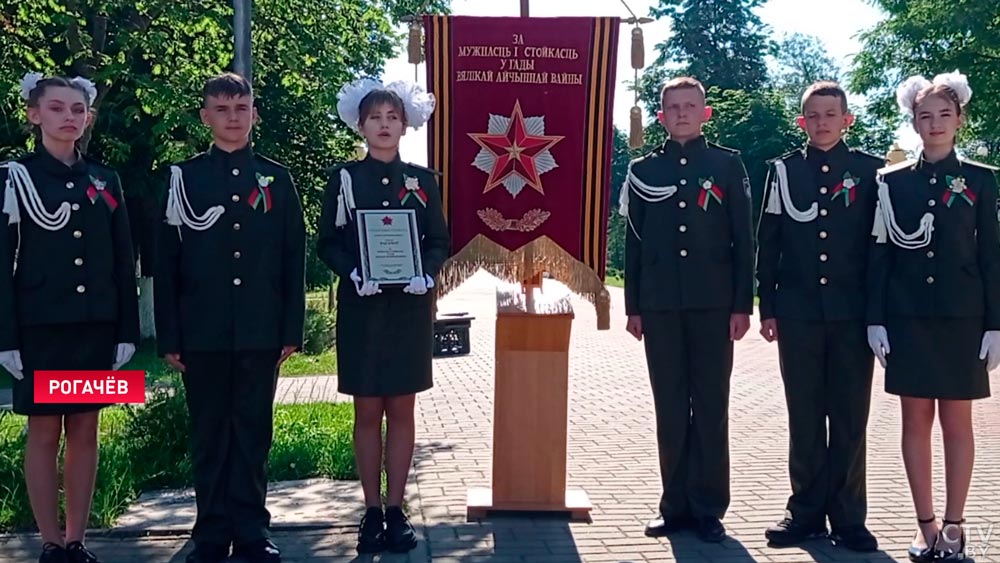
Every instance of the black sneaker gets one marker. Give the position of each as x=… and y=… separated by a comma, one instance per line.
x=52, y=553
x=371, y=532
x=855, y=538
x=710, y=529
x=260, y=551
x=77, y=553
x=208, y=553
x=790, y=532
x=399, y=533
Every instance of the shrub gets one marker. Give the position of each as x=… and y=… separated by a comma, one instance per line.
x=320, y=331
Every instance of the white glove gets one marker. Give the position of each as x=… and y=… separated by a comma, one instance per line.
x=419, y=285
x=878, y=341
x=123, y=353
x=366, y=288
x=11, y=359
x=990, y=350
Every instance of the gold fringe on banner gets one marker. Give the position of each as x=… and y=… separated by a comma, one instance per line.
x=539, y=255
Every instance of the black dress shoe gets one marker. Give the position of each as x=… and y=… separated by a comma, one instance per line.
x=77, y=553
x=371, y=532
x=399, y=533
x=52, y=553
x=660, y=526
x=260, y=551
x=208, y=553
x=710, y=529
x=855, y=538
x=792, y=532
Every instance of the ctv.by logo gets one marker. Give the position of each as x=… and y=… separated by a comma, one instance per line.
x=978, y=538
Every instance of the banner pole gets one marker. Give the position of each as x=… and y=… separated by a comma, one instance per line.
x=524, y=8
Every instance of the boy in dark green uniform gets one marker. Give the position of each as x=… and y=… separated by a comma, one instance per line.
x=813, y=240
x=689, y=293
x=230, y=303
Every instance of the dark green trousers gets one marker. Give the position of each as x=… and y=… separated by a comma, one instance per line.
x=690, y=360
x=827, y=370
x=230, y=396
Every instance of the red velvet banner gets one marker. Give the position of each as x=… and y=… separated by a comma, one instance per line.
x=522, y=135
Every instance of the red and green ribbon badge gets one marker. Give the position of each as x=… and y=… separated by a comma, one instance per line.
x=709, y=191
x=848, y=188
x=957, y=189
x=411, y=188
x=96, y=190
x=262, y=193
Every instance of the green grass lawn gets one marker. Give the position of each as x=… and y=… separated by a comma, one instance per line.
x=614, y=281
x=144, y=449
x=156, y=369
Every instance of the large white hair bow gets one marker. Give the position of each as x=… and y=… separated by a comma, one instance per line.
x=907, y=92
x=418, y=104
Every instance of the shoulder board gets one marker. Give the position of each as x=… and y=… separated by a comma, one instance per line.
x=979, y=164
x=790, y=154
x=867, y=154
x=651, y=154
x=722, y=148
x=269, y=161
x=337, y=166
x=28, y=157
x=194, y=158
x=424, y=169
x=908, y=163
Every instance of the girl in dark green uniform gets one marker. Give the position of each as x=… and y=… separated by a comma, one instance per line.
x=67, y=299
x=384, y=334
x=934, y=301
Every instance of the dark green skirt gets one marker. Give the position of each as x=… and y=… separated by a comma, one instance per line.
x=385, y=343
x=936, y=358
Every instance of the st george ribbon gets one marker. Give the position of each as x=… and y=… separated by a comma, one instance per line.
x=522, y=135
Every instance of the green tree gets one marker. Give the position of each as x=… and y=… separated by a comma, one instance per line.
x=720, y=42
x=800, y=61
x=620, y=157
x=150, y=58
x=929, y=37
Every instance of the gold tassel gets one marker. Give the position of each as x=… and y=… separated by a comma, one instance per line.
x=635, y=133
x=638, y=49
x=415, y=45
x=541, y=254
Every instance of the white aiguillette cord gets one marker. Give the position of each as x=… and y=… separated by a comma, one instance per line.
x=345, y=199
x=19, y=183
x=651, y=194
x=779, y=189
x=885, y=223
x=179, y=210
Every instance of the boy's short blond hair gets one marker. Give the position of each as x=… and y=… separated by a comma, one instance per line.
x=680, y=83
x=825, y=88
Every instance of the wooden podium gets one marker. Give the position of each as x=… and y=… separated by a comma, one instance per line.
x=530, y=409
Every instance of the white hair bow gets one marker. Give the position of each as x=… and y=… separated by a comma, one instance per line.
x=907, y=92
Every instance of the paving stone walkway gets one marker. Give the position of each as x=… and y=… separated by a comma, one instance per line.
x=612, y=456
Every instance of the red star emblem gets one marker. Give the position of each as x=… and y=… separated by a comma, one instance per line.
x=515, y=151
x=386, y=220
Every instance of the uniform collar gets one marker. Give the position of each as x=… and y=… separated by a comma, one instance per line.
x=235, y=158
x=819, y=156
x=393, y=167
x=672, y=147
x=58, y=168
x=949, y=163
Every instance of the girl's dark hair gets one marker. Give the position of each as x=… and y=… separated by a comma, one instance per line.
x=376, y=98
x=55, y=82
x=942, y=91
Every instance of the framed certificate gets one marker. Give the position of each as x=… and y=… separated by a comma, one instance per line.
x=390, y=246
